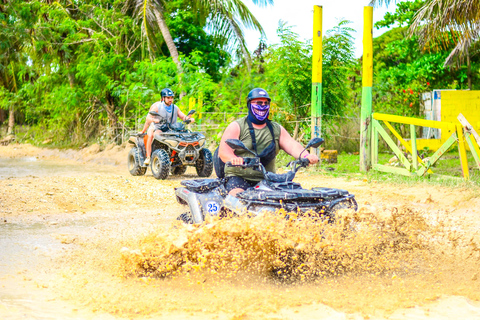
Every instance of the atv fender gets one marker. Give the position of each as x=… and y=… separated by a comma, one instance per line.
x=139, y=142
x=185, y=196
x=201, y=203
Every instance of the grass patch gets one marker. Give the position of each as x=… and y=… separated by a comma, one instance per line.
x=447, y=170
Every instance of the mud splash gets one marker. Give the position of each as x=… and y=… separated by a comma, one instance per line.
x=276, y=249
x=371, y=263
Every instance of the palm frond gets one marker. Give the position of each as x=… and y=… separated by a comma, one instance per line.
x=144, y=12
x=441, y=23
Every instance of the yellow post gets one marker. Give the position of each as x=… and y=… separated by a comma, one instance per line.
x=316, y=107
x=462, y=150
x=199, y=109
x=367, y=82
x=191, y=103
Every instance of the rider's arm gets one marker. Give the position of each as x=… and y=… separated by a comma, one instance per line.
x=182, y=116
x=150, y=118
x=224, y=151
x=293, y=147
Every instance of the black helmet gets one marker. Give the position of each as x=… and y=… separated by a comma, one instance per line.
x=257, y=93
x=166, y=93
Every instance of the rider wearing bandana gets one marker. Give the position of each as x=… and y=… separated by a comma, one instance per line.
x=259, y=134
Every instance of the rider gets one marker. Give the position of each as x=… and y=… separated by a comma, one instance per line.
x=168, y=112
x=258, y=133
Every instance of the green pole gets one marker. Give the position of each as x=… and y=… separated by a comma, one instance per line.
x=367, y=81
x=316, y=108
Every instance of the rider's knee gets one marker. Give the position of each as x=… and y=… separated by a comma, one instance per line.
x=234, y=192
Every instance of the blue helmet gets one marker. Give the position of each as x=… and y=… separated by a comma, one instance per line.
x=257, y=93
x=167, y=93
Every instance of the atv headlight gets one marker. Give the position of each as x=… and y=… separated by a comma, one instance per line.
x=172, y=143
x=201, y=142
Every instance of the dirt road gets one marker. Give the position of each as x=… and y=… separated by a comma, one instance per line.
x=80, y=236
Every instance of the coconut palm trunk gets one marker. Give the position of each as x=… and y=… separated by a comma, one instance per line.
x=225, y=18
x=167, y=36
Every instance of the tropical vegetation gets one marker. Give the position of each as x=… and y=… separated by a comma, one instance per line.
x=76, y=72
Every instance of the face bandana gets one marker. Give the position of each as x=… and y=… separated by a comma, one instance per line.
x=257, y=113
x=168, y=108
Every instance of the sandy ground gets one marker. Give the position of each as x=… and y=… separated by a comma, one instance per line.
x=78, y=235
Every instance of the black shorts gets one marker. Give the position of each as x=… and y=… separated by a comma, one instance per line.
x=234, y=182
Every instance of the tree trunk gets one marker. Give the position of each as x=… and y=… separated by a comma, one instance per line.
x=297, y=127
x=71, y=79
x=112, y=117
x=295, y=131
x=11, y=120
x=168, y=40
x=3, y=116
x=167, y=36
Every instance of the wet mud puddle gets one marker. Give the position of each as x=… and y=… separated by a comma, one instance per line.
x=34, y=259
x=133, y=262
x=31, y=166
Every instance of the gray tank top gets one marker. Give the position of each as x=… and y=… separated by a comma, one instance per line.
x=168, y=117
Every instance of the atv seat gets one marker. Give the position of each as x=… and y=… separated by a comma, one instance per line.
x=201, y=185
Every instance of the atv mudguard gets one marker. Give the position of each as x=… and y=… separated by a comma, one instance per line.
x=203, y=196
x=140, y=141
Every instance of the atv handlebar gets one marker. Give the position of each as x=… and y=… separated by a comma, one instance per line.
x=247, y=163
x=270, y=176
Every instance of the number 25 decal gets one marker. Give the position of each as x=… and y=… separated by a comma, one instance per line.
x=212, y=207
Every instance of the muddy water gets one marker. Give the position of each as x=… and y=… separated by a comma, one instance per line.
x=32, y=166
x=124, y=258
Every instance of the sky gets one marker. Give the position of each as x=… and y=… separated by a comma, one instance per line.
x=299, y=15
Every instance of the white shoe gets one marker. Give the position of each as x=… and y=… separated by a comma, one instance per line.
x=147, y=161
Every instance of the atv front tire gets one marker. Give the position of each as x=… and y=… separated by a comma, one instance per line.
x=160, y=164
x=342, y=205
x=204, y=164
x=186, y=217
x=179, y=170
x=134, y=165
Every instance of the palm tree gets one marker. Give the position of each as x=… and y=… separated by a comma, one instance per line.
x=224, y=18
x=439, y=22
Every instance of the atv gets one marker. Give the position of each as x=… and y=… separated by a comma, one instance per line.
x=276, y=191
x=173, y=149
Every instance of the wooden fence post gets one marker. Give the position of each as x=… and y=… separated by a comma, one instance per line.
x=367, y=81
x=316, y=107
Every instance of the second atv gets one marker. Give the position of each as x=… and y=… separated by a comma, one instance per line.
x=174, y=147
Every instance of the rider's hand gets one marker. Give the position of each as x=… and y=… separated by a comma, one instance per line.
x=312, y=158
x=156, y=120
x=236, y=161
x=191, y=119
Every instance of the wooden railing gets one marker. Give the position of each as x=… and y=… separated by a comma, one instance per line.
x=418, y=166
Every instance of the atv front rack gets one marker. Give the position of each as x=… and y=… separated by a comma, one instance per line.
x=294, y=194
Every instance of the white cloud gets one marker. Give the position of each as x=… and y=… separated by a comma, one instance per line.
x=299, y=15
